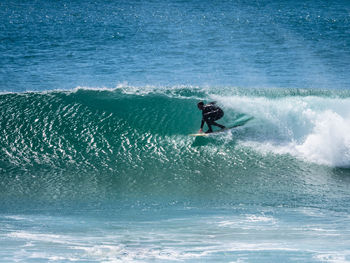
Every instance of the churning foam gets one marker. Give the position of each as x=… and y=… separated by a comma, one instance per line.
x=316, y=129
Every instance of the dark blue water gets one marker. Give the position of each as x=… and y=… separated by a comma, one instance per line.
x=60, y=45
x=97, y=99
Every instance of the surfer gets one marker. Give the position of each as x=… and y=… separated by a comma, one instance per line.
x=211, y=113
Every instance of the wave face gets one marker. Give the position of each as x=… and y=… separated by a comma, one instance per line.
x=130, y=142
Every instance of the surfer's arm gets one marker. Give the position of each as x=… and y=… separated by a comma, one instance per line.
x=202, y=124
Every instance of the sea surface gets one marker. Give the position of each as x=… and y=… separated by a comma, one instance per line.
x=97, y=99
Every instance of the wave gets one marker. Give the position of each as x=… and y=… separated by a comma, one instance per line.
x=132, y=140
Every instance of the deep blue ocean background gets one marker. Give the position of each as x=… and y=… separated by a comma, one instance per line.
x=62, y=44
x=97, y=99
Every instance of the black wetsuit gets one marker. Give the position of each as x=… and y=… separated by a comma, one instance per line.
x=211, y=113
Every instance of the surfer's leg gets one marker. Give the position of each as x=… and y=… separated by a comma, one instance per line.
x=209, y=123
x=219, y=125
x=209, y=120
x=217, y=117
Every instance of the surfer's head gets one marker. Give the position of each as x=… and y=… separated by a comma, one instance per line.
x=200, y=105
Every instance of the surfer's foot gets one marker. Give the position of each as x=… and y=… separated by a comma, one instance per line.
x=208, y=131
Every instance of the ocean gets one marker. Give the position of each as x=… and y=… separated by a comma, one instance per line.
x=97, y=99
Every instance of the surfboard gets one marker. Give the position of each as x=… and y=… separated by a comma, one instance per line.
x=237, y=123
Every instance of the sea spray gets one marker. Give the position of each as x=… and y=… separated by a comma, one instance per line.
x=312, y=128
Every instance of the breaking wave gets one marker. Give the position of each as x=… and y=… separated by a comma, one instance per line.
x=133, y=141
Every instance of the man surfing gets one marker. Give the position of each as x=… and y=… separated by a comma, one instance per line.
x=211, y=113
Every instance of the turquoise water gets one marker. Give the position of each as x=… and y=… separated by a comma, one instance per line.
x=97, y=101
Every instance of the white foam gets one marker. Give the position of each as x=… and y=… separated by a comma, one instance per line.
x=332, y=257
x=329, y=142
x=92, y=88
x=179, y=240
x=255, y=218
x=122, y=253
x=50, y=238
x=316, y=129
